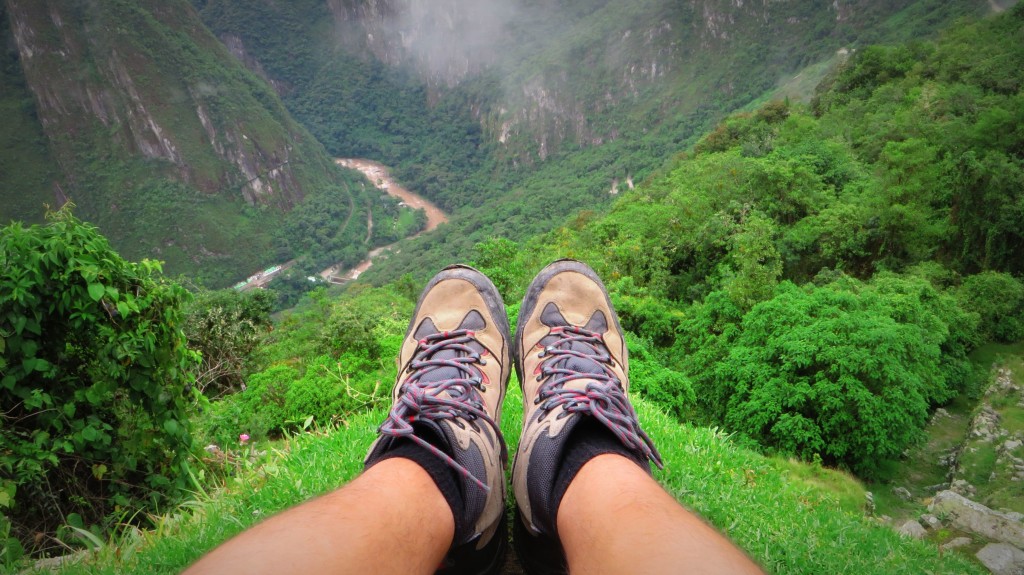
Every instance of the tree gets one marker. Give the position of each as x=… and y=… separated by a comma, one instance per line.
x=844, y=371
x=93, y=374
x=225, y=326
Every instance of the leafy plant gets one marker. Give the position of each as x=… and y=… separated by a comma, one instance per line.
x=845, y=371
x=93, y=374
x=225, y=327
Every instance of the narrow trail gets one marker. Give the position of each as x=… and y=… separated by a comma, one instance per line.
x=380, y=177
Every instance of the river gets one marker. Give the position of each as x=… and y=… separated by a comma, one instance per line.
x=379, y=176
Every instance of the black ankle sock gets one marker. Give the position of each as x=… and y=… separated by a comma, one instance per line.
x=589, y=439
x=446, y=478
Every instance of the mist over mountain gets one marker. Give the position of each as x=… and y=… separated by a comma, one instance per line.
x=190, y=147
x=809, y=218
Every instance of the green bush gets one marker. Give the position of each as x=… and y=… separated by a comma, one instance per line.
x=283, y=398
x=93, y=373
x=998, y=298
x=846, y=371
x=225, y=327
x=648, y=376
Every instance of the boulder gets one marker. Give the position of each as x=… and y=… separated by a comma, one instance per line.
x=903, y=493
x=1002, y=559
x=930, y=521
x=912, y=529
x=974, y=517
x=955, y=543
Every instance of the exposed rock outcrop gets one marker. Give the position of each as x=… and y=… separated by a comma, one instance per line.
x=1002, y=559
x=912, y=529
x=976, y=518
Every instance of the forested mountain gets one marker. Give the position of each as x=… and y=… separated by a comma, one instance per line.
x=157, y=134
x=517, y=114
x=808, y=237
x=140, y=116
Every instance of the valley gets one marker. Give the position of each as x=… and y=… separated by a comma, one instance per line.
x=809, y=219
x=379, y=175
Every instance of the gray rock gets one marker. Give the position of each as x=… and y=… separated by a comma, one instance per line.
x=961, y=487
x=976, y=518
x=903, y=493
x=930, y=521
x=912, y=529
x=955, y=543
x=1011, y=444
x=1002, y=559
x=1016, y=516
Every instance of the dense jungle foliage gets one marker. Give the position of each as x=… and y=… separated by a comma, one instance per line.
x=95, y=369
x=807, y=278
x=819, y=274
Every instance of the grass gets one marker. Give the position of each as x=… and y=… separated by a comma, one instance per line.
x=983, y=463
x=791, y=517
x=921, y=467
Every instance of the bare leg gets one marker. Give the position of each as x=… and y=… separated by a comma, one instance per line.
x=614, y=518
x=390, y=519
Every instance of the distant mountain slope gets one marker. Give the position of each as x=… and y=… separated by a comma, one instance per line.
x=27, y=171
x=163, y=139
x=515, y=115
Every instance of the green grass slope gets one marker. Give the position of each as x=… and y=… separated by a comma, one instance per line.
x=792, y=518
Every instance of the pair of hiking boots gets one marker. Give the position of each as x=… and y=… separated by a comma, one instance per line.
x=454, y=367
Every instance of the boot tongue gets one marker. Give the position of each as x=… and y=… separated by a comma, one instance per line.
x=435, y=374
x=582, y=364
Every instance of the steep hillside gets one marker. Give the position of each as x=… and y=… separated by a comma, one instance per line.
x=516, y=115
x=804, y=267
x=27, y=171
x=163, y=139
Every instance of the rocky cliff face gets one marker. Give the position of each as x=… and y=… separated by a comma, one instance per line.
x=150, y=76
x=445, y=40
x=566, y=67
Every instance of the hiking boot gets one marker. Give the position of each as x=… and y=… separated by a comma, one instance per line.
x=572, y=364
x=453, y=369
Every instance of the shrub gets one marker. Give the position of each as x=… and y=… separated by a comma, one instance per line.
x=648, y=375
x=225, y=327
x=843, y=371
x=998, y=298
x=282, y=398
x=93, y=371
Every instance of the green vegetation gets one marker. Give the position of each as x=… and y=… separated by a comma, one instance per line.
x=226, y=327
x=94, y=371
x=26, y=168
x=814, y=273
x=809, y=279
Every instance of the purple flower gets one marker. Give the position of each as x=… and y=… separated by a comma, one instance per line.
x=243, y=437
